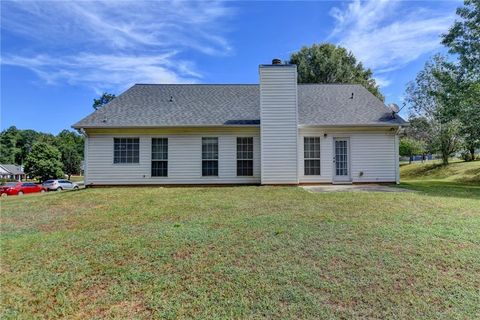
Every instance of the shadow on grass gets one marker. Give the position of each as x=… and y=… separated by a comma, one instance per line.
x=444, y=188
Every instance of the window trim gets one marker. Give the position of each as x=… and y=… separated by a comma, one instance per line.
x=125, y=163
x=319, y=159
x=244, y=159
x=202, y=159
x=159, y=160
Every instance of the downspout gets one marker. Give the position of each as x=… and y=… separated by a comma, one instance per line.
x=85, y=156
x=396, y=153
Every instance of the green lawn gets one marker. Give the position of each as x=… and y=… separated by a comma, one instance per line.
x=76, y=178
x=243, y=252
x=456, y=172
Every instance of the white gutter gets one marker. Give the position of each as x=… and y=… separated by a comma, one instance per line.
x=397, y=155
x=85, y=156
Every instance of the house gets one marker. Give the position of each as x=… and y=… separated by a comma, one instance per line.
x=277, y=132
x=11, y=171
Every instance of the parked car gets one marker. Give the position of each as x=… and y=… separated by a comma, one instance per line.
x=59, y=184
x=20, y=188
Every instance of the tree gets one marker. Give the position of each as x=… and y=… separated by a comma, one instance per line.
x=103, y=100
x=71, y=160
x=447, y=138
x=425, y=93
x=70, y=145
x=463, y=37
x=470, y=118
x=463, y=40
x=25, y=141
x=8, y=145
x=418, y=128
x=430, y=97
x=327, y=63
x=44, y=162
x=410, y=147
x=66, y=137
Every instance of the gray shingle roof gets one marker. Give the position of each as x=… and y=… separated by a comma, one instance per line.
x=149, y=105
x=12, y=168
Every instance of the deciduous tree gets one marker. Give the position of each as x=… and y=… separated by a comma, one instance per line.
x=410, y=147
x=44, y=162
x=327, y=63
x=463, y=40
x=103, y=100
x=430, y=97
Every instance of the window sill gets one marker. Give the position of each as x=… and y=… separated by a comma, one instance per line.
x=126, y=164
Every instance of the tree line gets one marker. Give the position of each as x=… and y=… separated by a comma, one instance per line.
x=445, y=95
x=43, y=155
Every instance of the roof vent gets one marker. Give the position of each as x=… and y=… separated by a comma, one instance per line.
x=276, y=61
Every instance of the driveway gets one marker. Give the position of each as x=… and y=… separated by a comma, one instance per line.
x=354, y=188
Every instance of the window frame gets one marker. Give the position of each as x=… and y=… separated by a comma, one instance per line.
x=309, y=158
x=164, y=159
x=213, y=158
x=126, y=163
x=242, y=158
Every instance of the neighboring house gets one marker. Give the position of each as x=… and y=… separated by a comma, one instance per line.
x=11, y=171
x=277, y=132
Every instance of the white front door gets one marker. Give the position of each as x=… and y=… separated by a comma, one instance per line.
x=341, y=159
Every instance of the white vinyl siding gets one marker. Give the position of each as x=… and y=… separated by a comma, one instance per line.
x=279, y=129
x=184, y=157
x=372, y=155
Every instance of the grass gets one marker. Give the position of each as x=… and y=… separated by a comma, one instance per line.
x=76, y=178
x=456, y=172
x=458, y=179
x=243, y=252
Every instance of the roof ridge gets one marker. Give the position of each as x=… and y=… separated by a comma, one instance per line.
x=242, y=84
x=196, y=84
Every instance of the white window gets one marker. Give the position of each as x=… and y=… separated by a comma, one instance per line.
x=244, y=156
x=210, y=156
x=311, y=152
x=126, y=150
x=159, y=157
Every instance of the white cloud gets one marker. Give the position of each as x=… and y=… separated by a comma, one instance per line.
x=382, y=82
x=120, y=42
x=387, y=35
x=103, y=71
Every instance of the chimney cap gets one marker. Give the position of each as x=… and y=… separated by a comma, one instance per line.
x=276, y=61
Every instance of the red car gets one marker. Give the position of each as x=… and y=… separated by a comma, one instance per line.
x=20, y=188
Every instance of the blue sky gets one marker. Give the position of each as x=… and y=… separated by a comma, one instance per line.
x=57, y=56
